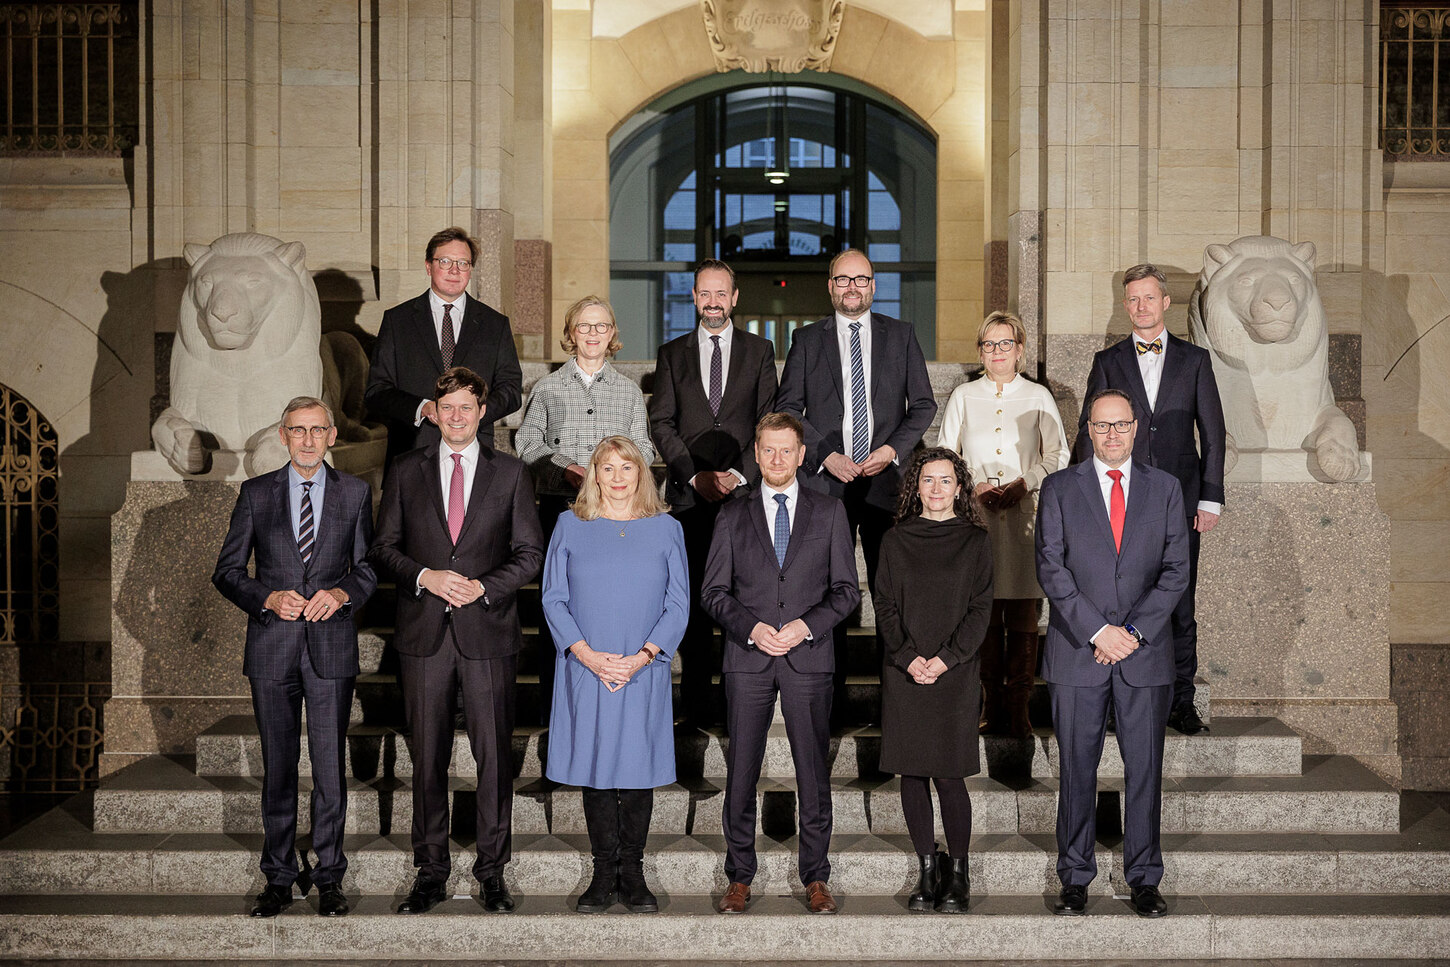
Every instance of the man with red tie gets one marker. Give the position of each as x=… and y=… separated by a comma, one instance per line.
x=459, y=531
x=1112, y=557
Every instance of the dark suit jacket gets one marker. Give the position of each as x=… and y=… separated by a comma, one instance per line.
x=902, y=403
x=262, y=525
x=1188, y=400
x=500, y=545
x=1090, y=584
x=407, y=362
x=744, y=584
x=689, y=437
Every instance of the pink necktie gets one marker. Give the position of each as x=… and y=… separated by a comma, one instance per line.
x=1118, y=508
x=455, y=498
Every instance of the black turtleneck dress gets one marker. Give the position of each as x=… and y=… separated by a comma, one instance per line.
x=933, y=598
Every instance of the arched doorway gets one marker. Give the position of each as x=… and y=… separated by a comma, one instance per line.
x=775, y=177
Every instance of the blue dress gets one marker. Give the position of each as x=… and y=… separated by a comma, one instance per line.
x=615, y=593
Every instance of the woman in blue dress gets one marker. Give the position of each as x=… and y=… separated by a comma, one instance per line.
x=616, y=597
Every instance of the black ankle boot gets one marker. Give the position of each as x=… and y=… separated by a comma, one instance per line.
x=599, y=895
x=956, y=888
x=928, y=883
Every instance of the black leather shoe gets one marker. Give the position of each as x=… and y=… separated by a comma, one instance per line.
x=272, y=901
x=496, y=895
x=424, y=896
x=1185, y=719
x=1071, y=902
x=1148, y=902
x=330, y=900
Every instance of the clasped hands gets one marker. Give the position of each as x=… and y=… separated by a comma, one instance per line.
x=714, y=485
x=1113, y=644
x=291, y=606
x=925, y=671
x=451, y=586
x=1001, y=498
x=613, y=670
x=844, y=469
x=777, y=642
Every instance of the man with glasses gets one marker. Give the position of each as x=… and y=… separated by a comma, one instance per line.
x=442, y=328
x=711, y=386
x=309, y=527
x=1171, y=383
x=1112, y=557
x=858, y=382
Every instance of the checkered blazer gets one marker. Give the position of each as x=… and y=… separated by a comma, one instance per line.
x=565, y=421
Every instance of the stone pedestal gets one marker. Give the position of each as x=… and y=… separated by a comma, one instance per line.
x=1293, y=615
x=176, y=644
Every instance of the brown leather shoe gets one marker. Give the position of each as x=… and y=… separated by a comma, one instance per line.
x=735, y=898
x=818, y=895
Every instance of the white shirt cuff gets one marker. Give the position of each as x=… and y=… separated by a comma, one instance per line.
x=418, y=416
x=1213, y=507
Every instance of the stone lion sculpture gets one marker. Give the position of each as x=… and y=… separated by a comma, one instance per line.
x=248, y=335
x=1256, y=309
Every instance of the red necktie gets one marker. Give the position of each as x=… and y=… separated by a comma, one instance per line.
x=455, y=498
x=1118, y=508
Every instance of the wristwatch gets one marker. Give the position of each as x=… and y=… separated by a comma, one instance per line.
x=1134, y=632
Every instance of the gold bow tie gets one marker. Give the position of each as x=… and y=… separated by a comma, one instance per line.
x=1155, y=347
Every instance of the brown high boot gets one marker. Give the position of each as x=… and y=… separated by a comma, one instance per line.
x=1021, y=677
x=993, y=715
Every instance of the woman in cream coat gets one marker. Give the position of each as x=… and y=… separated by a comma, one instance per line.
x=1008, y=430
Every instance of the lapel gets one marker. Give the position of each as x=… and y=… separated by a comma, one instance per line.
x=737, y=367
x=483, y=476
x=833, y=356
x=282, y=501
x=332, y=521
x=424, y=334
x=1172, y=365
x=762, y=530
x=1097, y=510
x=468, y=328
x=878, y=350
x=804, y=509
x=1137, y=499
x=690, y=372
x=430, y=479
x=1132, y=378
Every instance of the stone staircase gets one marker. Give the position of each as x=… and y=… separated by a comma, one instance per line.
x=1269, y=853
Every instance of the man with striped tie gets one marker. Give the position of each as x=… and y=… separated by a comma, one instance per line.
x=858, y=382
x=309, y=527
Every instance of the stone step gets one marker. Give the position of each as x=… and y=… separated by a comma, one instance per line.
x=686, y=929
x=1335, y=794
x=1235, y=746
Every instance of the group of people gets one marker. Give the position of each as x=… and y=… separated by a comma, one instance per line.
x=767, y=489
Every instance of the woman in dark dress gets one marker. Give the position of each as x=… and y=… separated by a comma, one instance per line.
x=933, y=598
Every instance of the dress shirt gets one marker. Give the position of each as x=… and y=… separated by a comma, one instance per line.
x=445, y=475
x=294, y=497
x=843, y=343
x=578, y=371
x=1105, y=485
x=707, y=351
x=435, y=306
x=1150, y=367
x=767, y=497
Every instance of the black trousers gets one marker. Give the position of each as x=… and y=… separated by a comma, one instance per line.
x=870, y=523
x=699, y=654
x=487, y=685
x=278, y=707
x=550, y=507
x=1185, y=630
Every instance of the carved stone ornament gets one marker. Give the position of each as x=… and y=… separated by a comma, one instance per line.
x=772, y=35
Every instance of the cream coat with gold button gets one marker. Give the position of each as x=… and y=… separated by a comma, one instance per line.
x=1016, y=432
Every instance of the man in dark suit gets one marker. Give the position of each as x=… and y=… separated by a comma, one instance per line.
x=442, y=328
x=781, y=574
x=1170, y=382
x=1112, y=557
x=459, y=531
x=309, y=527
x=858, y=381
x=711, y=387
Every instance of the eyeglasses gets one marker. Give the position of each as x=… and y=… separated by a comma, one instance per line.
x=462, y=265
x=593, y=326
x=1122, y=426
x=1005, y=345
x=298, y=432
x=846, y=281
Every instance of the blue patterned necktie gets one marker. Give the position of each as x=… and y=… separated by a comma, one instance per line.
x=782, y=529
x=304, y=526
x=860, y=418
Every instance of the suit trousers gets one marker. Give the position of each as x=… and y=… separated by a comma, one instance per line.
x=805, y=701
x=698, y=651
x=487, y=685
x=1185, y=630
x=1079, y=717
x=871, y=523
x=278, y=706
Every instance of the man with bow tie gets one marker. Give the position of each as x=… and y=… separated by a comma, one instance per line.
x=1170, y=382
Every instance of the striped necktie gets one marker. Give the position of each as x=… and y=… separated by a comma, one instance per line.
x=860, y=416
x=305, y=537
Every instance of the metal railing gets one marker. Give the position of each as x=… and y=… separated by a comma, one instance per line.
x=1415, y=82
x=71, y=76
x=51, y=735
